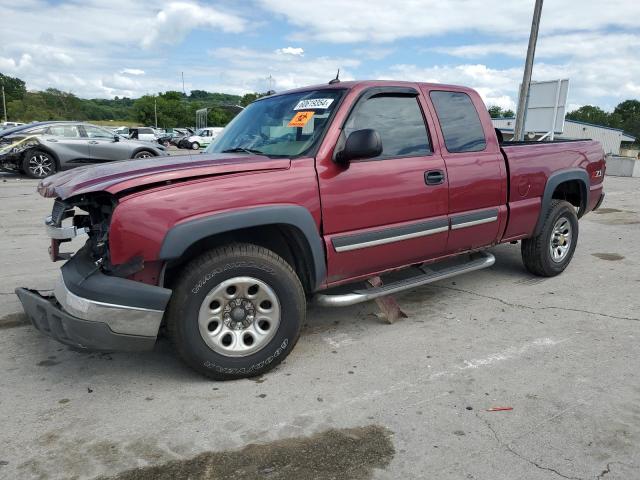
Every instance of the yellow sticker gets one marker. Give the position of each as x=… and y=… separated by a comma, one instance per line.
x=300, y=119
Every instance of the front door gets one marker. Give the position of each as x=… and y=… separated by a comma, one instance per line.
x=391, y=210
x=66, y=140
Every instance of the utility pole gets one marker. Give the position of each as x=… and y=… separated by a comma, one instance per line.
x=270, y=80
x=4, y=105
x=183, y=90
x=155, y=110
x=523, y=99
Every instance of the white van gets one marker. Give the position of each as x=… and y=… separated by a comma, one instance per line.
x=204, y=137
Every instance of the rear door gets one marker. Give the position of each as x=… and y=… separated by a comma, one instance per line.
x=475, y=168
x=67, y=142
x=380, y=213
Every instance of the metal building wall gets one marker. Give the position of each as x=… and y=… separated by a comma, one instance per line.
x=610, y=139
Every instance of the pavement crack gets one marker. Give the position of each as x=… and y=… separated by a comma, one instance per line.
x=529, y=307
x=607, y=469
x=511, y=450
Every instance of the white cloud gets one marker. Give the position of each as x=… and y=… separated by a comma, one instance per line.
x=296, y=51
x=177, y=19
x=132, y=71
x=384, y=21
x=247, y=69
x=495, y=86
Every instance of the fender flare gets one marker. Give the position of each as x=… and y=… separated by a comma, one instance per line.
x=183, y=235
x=556, y=179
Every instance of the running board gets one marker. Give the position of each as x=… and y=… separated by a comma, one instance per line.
x=478, y=261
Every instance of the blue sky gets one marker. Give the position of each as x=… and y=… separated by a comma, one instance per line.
x=103, y=49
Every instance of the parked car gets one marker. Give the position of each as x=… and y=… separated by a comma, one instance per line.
x=64, y=145
x=7, y=125
x=203, y=137
x=146, y=134
x=306, y=190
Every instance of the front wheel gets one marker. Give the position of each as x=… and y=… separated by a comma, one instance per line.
x=236, y=312
x=38, y=164
x=551, y=251
x=195, y=146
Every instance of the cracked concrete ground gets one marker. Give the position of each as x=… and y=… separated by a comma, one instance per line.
x=562, y=352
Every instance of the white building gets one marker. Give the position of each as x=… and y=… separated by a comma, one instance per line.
x=610, y=138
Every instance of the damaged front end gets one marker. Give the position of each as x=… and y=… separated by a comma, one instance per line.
x=87, y=215
x=94, y=306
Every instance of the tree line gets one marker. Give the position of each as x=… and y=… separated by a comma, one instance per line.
x=174, y=109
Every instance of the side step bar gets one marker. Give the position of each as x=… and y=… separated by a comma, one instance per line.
x=478, y=261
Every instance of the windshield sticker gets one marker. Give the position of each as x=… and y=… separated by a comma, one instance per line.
x=300, y=119
x=313, y=103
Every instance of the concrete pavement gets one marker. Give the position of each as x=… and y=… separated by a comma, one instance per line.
x=357, y=398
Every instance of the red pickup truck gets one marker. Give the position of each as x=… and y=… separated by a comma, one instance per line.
x=302, y=192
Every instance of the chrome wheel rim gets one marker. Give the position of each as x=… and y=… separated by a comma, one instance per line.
x=144, y=155
x=40, y=165
x=195, y=146
x=239, y=316
x=560, y=239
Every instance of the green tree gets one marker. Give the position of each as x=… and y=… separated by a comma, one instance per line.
x=14, y=88
x=591, y=114
x=495, y=111
x=628, y=114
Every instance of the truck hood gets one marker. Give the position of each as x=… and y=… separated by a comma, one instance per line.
x=116, y=177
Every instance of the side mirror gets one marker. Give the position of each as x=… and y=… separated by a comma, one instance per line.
x=364, y=143
x=116, y=138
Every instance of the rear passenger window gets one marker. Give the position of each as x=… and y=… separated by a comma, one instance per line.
x=399, y=122
x=459, y=122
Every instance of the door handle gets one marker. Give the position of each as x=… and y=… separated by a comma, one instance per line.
x=434, y=177
x=51, y=140
x=93, y=142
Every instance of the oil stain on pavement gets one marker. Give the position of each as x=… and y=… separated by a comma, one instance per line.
x=612, y=257
x=13, y=320
x=345, y=453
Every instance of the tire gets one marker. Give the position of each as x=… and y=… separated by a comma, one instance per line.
x=144, y=154
x=195, y=146
x=548, y=254
x=211, y=325
x=38, y=164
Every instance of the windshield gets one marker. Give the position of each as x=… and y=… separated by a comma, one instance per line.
x=285, y=125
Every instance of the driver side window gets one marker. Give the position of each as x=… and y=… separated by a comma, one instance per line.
x=399, y=122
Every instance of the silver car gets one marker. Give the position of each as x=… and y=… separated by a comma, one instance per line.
x=64, y=145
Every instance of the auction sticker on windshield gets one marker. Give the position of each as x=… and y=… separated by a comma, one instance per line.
x=313, y=103
x=300, y=119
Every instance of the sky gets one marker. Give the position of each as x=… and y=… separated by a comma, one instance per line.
x=103, y=49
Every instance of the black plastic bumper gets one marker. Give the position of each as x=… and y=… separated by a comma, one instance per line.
x=50, y=319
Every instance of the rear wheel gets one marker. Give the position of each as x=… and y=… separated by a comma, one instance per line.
x=236, y=312
x=551, y=251
x=144, y=154
x=38, y=164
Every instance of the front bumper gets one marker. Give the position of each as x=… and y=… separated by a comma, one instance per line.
x=47, y=316
x=95, y=311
